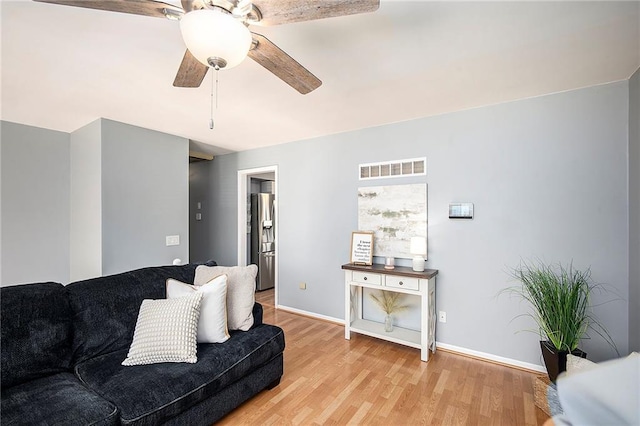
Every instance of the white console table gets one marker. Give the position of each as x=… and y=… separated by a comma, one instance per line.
x=402, y=280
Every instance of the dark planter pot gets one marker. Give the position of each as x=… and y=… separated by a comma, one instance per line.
x=556, y=361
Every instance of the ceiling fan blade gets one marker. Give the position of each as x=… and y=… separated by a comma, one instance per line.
x=187, y=5
x=153, y=8
x=282, y=65
x=276, y=12
x=191, y=72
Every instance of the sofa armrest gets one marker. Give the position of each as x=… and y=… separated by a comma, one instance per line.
x=257, y=315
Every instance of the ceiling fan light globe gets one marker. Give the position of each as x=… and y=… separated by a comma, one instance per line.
x=214, y=34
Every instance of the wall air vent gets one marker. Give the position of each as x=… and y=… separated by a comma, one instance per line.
x=396, y=168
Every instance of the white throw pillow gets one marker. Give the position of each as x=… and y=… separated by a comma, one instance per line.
x=212, y=325
x=241, y=287
x=166, y=331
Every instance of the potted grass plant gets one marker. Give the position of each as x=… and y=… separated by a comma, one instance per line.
x=390, y=303
x=561, y=300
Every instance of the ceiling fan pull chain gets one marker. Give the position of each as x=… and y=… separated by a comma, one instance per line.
x=211, y=118
x=211, y=109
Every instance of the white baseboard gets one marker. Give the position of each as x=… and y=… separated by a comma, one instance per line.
x=445, y=346
x=310, y=314
x=491, y=357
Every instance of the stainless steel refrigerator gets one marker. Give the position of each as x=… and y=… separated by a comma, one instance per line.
x=263, y=244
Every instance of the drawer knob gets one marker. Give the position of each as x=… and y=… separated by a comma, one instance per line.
x=400, y=283
x=365, y=278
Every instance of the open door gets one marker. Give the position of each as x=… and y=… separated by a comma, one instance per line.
x=258, y=231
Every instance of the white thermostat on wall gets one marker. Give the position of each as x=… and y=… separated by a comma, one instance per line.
x=461, y=211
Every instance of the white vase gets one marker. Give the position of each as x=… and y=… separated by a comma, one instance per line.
x=388, y=323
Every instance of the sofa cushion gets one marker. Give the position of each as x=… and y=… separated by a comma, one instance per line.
x=152, y=394
x=257, y=315
x=105, y=309
x=36, y=332
x=59, y=399
x=209, y=411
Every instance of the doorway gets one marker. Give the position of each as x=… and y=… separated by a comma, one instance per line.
x=262, y=179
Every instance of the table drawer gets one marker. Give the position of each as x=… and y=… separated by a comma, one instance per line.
x=402, y=282
x=367, y=278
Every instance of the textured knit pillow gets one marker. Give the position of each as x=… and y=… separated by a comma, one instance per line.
x=212, y=325
x=576, y=364
x=166, y=331
x=241, y=287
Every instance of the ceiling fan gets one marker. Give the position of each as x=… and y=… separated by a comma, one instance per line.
x=216, y=33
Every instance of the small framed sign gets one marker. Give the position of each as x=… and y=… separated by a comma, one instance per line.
x=362, y=248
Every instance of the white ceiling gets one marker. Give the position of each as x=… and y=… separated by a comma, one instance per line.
x=63, y=67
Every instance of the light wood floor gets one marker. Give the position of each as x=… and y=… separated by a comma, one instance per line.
x=330, y=380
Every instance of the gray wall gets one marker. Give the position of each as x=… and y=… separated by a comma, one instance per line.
x=145, y=197
x=130, y=189
x=634, y=212
x=198, y=192
x=86, y=202
x=35, y=204
x=548, y=177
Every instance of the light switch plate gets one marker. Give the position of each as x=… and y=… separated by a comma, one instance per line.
x=173, y=240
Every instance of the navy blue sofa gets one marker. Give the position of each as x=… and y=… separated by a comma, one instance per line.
x=62, y=349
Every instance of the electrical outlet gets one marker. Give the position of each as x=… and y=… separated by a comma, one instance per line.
x=442, y=316
x=303, y=286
